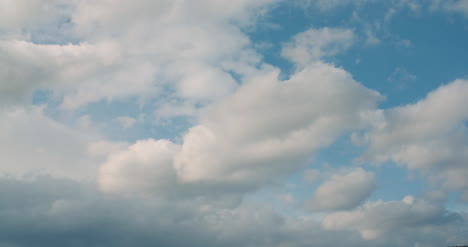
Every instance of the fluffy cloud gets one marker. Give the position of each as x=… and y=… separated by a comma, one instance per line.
x=34, y=144
x=134, y=169
x=189, y=54
x=343, y=191
x=250, y=130
x=315, y=44
x=268, y=128
x=429, y=135
x=265, y=130
x=27, y=66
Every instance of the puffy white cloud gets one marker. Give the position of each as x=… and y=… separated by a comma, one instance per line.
x=264, y=131
x=269, y=128
x=315, y=44
x=429, y=135
x=189, y=58
x=343, y=191
x=188, y=54
x=27, y=66
x=144, y=166
x=101, y=14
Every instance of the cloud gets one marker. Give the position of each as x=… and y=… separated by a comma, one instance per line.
x=32, y=143
x=17, y=16
x=402, y=75
x=264, y=131
x=127, y=122
x=269, y=128
x=62, y=182
x=343, y=191
x=49, y=211
x=145, y=166
x=316, y=44
x=188, y=55
x=327, y=5
x=397, y=218
x=456, y=6
x=27, y=66
x=429, y=135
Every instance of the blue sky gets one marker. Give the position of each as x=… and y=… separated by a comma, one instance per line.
x=233, y=123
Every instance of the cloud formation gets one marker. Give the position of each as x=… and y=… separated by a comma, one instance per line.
x=93, y=94
x=429, y=135
x=315, y=44
x=343, y=191
x=264, y=131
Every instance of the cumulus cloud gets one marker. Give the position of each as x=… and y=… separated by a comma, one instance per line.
x=133, y=169
x=343, y=191
x=429, y=135
x=268, y=127
x=265, y=130
x=188, y=54
x=62, y=182
x=27, y=66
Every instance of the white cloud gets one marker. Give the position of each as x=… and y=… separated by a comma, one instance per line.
x=315, y=44
x=27, y=66
x=17, y=16
x=144, y=166
x=429, y=135
x=189, y=52
x=343, y=191
x=194, y=58
x=205, y=83
x=267, y=128
x=34, y=144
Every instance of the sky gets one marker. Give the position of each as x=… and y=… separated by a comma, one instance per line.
x=275, y=123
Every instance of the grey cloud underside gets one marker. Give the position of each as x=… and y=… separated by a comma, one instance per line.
x=55, y=212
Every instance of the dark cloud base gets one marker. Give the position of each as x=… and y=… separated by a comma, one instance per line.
x=46, y=211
